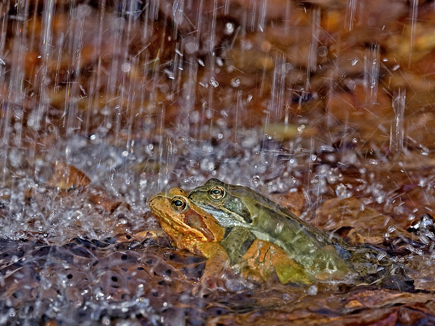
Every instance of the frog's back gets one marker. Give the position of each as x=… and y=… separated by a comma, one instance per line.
x=278, y=217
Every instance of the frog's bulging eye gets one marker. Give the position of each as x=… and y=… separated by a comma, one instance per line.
x=179, y=204
x=217, y=193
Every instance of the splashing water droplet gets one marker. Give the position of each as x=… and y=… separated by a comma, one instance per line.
x=229, y=28
x=214, y=82
x=207, y=165
x=342, y=192
x=235, y=82
x=312, y=290
x=255, y=180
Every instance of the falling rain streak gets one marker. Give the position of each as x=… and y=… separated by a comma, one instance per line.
x=326, y=107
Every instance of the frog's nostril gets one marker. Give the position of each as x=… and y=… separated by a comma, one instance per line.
x=151, y=200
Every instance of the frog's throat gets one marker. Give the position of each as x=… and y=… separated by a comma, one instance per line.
x=225, y=217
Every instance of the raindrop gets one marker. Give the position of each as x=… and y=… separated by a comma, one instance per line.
x=214, y=82
x=322, y=51
x=235, y=82
x=255, y=180
x=191, y=47
x=105, y=320
x=229, y=28
x=342, y=192
x=207, y=165
x=312, y=290
x=125, y=67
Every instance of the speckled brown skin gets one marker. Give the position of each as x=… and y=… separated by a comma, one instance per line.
x=193, y=229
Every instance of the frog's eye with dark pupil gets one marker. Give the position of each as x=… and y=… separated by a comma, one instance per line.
x=217, y=193
x=179, y=204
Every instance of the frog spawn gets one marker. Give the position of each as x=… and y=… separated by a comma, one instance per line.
x=88, y=282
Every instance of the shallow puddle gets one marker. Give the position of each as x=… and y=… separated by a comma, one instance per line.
x=325, y=107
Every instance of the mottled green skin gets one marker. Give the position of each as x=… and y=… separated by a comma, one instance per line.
x=322, y=254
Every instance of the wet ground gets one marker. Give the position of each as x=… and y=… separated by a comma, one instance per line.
x=325, y=107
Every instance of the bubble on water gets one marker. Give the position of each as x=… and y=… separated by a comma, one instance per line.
x=229, y=28
x=249, y=142
x=377, y=193
x=191, y=47
x=16, y=157
x=342, y=192
x=105, y=320
x=322, y=51
x=213, y=82
x=293, y=162
x=332, y=177
x=125, y=67
x=350, y=158
x=17, y=126
x=255, y=181
x=235, y=82
x=207, y=165
x=312, y=290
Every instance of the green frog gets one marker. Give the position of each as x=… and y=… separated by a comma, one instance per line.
x=324, y=255
x=193, y=229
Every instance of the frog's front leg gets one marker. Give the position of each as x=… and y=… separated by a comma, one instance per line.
x=218, y=261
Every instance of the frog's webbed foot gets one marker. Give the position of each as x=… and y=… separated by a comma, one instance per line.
x=208, y=284
x=150, y=235
x=143, y=236
x=215, y=268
